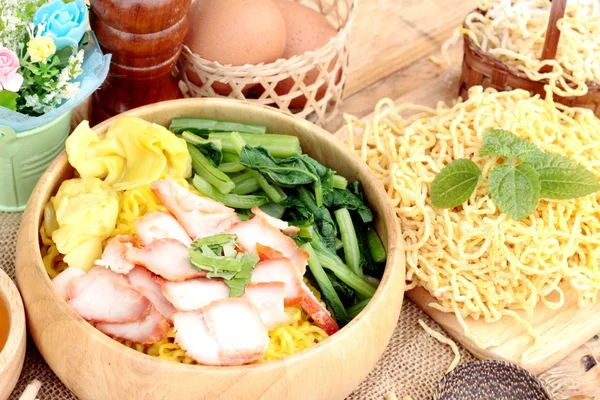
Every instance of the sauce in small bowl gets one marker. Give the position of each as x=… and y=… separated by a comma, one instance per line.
x=12, y=335
x=4, y=321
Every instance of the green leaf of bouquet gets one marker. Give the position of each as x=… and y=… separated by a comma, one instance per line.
x=562, y=178
x=503, y=143
x=515, y=189
x=8, y=99
x=455, y=183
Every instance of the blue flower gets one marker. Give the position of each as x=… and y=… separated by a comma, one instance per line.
x=65, y=23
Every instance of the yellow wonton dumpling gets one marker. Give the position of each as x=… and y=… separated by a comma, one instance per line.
x=133, y=152
x=86, y=212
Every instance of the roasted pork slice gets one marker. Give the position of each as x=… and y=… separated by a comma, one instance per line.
x=160, y=225
x=146, y=283
x=194, y=294
x=200, y=216
x=257, y=231
x=191, y=333
x=318, y=312
x=61, y=281
x=168, y=258
x=281, y=270
x=236, y=325
x=268, y=298
x=276, y=222
x=113, y=256
x=226, y=332
x=102, y=295
x=152, y=329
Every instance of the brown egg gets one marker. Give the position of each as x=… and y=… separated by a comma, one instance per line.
x=235, y=32
x=306, y=30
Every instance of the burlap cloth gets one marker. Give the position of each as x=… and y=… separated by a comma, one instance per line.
x=413, y=363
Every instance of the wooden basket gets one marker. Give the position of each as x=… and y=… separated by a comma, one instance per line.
x=481, y=68
x=331, y=60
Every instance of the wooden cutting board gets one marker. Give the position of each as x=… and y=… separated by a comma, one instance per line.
x=561, y=331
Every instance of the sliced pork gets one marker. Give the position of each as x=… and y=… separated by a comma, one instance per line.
x=113, y=256
x=152, y=329
x=168, y=258
x=258, y=231
x=201, y=217
x=146, y=283
x=268, y=298
x=61, y=281
x=160, y=225
x=102, y=295
x=276, y=222
x=281, y=270
x=226, y=332
x=194, y=294
x=318, y=312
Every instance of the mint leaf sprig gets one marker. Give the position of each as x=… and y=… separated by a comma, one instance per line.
x=516, y=186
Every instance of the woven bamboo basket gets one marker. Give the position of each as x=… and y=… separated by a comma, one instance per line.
x=481, y=68
x=323, y=96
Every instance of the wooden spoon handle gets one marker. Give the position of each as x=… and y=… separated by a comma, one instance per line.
x=552, y=32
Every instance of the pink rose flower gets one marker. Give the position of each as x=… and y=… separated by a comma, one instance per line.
x=9, y=78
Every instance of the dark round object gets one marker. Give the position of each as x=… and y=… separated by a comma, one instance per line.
x=490, y=380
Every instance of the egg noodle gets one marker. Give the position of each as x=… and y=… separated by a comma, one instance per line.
x=301, y=333
x=443, y=339
x=514, y=32
x=474, y=260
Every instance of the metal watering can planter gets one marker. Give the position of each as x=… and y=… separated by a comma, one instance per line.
x=24, y=156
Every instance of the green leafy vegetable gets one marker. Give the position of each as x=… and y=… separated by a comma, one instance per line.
x=325, y=286
x=349, y=240
x=229, y=199
x=321, y=217
x=272, y=192
x=292, y=171
x=515, y=189
x=211, y=149
x=345, y=292
x=562, y=178
x=217, y=256
x=273, y=209
x=208, y=172
x=455, y=183
x=503, y=143
x=202, y=125
x=346, y=199
x=237, y=285
x=357, y=308
x=339, y=182
x=376, y=248
x=276, y=145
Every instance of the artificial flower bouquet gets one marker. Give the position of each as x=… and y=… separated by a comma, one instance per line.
x=49, y=61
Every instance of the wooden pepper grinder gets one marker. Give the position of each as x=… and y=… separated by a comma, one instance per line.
x=145, y=38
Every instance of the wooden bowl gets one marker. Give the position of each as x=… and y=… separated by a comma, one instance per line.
x=490, y=379
x=94, y=366
x=13, y=352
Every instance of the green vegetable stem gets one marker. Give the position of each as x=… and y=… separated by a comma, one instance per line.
x=325, y=286
x=229, y=199
x=207, y=171
x=202, y=125
x=276, y=145
x=349, y=240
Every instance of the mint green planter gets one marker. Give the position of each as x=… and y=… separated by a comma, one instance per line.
x=25, y=156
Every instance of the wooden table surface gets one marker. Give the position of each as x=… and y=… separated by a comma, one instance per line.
x=390, y=45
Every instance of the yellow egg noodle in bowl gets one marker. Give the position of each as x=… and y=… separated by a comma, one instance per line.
x=474, y=260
